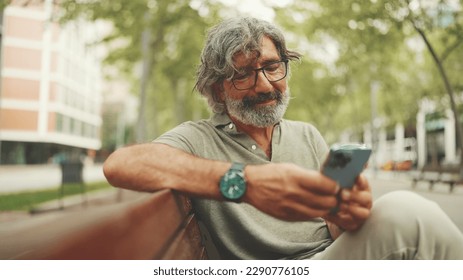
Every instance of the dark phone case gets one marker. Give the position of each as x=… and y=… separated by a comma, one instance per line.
x=345, y=162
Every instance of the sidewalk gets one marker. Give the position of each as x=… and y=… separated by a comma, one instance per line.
x=18, y=178
x=382, y=182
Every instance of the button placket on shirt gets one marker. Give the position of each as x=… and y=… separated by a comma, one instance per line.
x=247, y=142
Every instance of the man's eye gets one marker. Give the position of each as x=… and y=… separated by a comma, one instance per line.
x=272, y=68
x=242, y=76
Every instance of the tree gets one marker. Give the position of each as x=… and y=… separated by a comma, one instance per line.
x=358, y=57
x=423, y=21
x=376, y=40
x=165, y=39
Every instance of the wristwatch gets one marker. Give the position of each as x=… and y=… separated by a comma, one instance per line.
x=232, y=184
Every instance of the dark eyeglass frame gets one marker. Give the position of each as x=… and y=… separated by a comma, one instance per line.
x=265, y=75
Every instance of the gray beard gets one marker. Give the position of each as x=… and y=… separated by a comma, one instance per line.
x=246, y=111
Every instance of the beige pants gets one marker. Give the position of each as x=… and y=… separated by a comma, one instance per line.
x=402, y=225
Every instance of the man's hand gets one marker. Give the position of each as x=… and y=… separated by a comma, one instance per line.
x=289, y=192
x=354, y=208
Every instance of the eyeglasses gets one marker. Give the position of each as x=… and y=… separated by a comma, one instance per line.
x=274, y=72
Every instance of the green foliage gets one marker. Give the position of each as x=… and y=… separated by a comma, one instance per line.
x=3, y=4
x=375, y=41
x=176, y=33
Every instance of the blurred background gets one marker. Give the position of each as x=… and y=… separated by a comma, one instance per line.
x=82, y=78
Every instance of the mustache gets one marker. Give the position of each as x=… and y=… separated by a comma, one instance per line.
x=251, y=101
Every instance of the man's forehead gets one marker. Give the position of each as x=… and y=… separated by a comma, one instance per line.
x=244, y=60
x=266, y=52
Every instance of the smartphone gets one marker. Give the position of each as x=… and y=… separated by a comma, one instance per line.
x=345, y=162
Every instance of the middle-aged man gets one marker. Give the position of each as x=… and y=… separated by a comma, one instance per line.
x=254, y=177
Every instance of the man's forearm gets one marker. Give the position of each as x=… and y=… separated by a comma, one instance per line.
x=152, y=166
x=283, y=190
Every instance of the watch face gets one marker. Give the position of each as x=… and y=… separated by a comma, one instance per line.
x=232, y=184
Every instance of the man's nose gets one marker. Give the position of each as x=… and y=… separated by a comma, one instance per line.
x=262, y=83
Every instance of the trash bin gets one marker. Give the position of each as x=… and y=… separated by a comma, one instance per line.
x=72, y=172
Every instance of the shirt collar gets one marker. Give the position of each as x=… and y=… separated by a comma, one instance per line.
x=220, y=119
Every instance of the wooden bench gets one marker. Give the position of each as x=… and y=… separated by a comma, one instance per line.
x=159, y=225
x=451, y=177
x=437, y=174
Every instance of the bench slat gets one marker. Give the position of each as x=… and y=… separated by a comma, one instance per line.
x=144, y=230
x=187, y=244
x=433, y=174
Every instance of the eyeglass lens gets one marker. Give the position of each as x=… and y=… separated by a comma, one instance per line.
x=273, y=72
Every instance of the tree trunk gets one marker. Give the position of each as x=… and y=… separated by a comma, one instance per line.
x=140, y=135
x=448, y=88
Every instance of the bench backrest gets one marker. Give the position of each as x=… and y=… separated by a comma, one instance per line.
x=155, y=226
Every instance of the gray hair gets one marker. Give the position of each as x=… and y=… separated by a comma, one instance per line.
x=232, y=36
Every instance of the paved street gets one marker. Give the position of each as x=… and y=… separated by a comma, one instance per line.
x=452, y=203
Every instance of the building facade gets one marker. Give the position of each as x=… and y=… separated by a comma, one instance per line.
x=432, y=142
x=50, y=98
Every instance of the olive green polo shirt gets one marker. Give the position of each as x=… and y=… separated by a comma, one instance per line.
x=238, y=230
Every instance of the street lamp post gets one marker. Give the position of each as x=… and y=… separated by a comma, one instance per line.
x=1, y=65
x=374, y=86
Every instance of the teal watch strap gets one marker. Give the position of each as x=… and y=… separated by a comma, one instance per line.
x=237, y=166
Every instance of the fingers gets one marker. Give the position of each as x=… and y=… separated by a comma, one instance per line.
x=362, y=198
x=362, y=183
x=359, y=194
x=301, y=205
x=290, y=192
x=356, y=211
x=357, y=202
x=355, y=206
x=315, y=200
x=318, y=183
